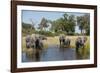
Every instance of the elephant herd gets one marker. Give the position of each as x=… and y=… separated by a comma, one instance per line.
x=79, y=42
x=36, y=41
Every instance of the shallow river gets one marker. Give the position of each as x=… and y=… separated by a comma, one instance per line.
x=52, y=53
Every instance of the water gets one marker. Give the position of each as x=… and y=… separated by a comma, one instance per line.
x=52, y=53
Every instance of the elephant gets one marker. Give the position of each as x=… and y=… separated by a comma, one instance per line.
x=28, y=41
x=80, y=42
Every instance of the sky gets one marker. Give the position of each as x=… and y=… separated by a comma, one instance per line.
x=31, y=15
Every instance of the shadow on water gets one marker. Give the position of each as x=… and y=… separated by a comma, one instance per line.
x=52, y=53
x=37, y=55
x=31, y=55
x=78, y=56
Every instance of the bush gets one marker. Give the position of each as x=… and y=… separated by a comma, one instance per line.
x=27, y=31
x=46, y=33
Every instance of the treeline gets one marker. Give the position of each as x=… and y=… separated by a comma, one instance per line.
x=27, y=28
x=65, y=24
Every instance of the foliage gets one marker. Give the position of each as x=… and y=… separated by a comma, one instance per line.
x=27, y=29
x=46, y=33
x=84, y=23
x=63, y=25
x=43, y=24
x=66, y=23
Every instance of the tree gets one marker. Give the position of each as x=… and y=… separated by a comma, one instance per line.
x=69, y=21
x=83, y=23
x=27, y=28
x=57, y=25
x=65, y=24
x=43, y=24
x=87, y=23
x=32, y=24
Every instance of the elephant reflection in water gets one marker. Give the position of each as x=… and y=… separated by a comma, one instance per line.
x=33, y=54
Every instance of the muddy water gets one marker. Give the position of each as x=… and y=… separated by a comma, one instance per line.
x=52, y=53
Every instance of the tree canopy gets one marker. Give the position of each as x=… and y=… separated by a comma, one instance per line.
x=84, y=23
x=65, y=24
